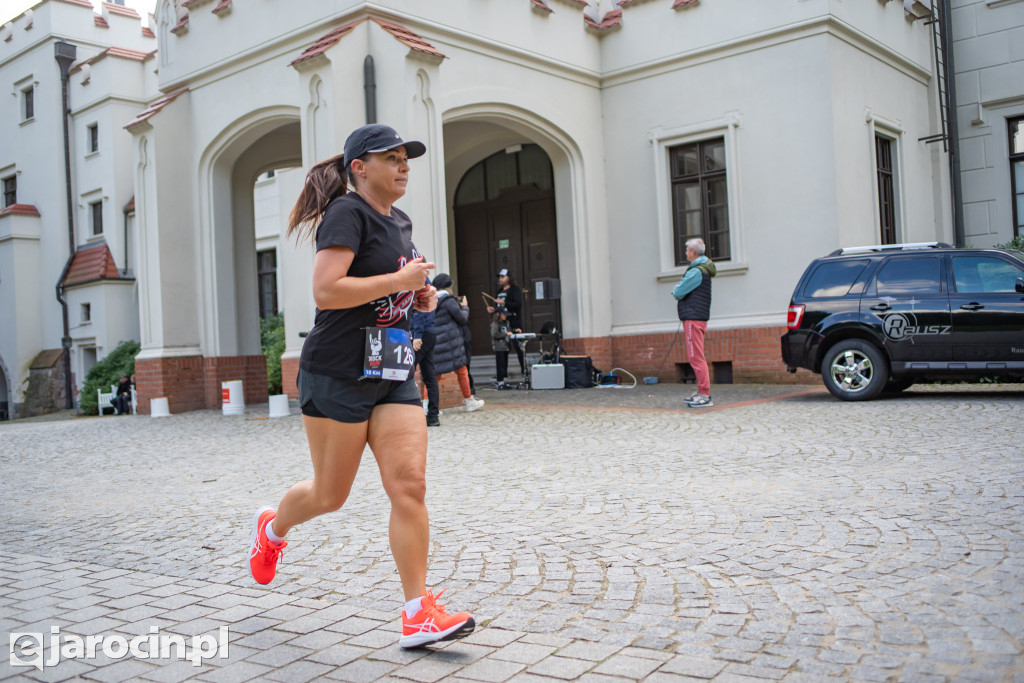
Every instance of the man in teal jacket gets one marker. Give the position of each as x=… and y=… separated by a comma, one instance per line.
x=693, y=294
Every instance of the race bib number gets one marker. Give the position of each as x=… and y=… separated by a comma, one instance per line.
x=388, y=354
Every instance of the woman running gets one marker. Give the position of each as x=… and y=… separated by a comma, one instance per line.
x=356, y=372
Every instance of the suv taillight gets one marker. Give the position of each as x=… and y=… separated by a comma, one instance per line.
x=794, y=316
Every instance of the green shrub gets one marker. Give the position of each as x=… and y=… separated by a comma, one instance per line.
x=1016, y=243
x=120, y=361
x=272, y=341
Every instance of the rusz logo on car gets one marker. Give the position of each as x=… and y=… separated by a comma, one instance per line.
x=902, y=326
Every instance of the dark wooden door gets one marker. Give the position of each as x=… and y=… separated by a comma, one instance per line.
x=515, y=231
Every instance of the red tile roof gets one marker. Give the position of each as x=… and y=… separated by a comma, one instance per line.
x=402, y=34
x=137, y=55
x=224, y=6
x=130, y=206
x=684, y=3
x=611, y=20
x=181, y=26
x=325, y=43
x=121, y=9
x=122, y=52
x=407, y=37
x=539, y=4
x=100, y=21
x=89, y=265
x=80, y=3
x=155, y=107
x=148, y=32
x=19, y=210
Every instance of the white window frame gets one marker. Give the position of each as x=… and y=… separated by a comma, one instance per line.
x=85, y=310
x=4, y=177
x=661, y=141
x=86, y=202
x=92, y=219
x=21, y=88
x=89, y=128
x=892, y=129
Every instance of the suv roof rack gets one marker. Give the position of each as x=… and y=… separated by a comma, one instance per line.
x=892, y=247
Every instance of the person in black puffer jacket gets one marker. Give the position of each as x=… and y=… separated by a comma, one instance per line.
x=449, y=350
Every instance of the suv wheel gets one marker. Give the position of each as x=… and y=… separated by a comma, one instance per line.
x=854, y=370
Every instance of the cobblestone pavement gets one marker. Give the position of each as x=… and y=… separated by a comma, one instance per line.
x=600, y=535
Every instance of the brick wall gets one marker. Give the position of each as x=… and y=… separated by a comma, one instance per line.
x=753, y=352
x=289, y=375
x=194, y=382
x=252, y=370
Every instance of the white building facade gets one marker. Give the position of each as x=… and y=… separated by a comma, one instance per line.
x=989, y=53
x=91, y=261
x=557, y=135
x=575, y=143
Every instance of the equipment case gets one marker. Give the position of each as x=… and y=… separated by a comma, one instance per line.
x=547, y=376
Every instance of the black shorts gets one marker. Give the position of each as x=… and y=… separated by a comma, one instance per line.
x=351, y=400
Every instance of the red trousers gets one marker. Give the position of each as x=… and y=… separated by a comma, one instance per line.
x=694, y=330
x=462, y=374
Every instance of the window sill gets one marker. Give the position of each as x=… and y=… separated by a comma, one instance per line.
x=90, y=155
x=27, y=121
x=725, y=269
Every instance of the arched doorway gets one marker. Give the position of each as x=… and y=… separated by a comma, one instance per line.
x=504, y=212
x=230, y=266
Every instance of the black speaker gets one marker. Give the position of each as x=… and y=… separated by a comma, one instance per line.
x=579, y=372
x=547, y=288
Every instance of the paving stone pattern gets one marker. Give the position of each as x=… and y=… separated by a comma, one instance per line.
x=595, y=535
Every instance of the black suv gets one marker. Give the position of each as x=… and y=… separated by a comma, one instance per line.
x=874, y=319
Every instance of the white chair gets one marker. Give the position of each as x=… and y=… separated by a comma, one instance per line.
x=105, y=400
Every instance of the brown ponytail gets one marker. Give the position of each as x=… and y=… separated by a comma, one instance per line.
x=326, y=181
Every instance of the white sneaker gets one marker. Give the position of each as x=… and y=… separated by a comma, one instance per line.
x=472, y=404
x=425, y=403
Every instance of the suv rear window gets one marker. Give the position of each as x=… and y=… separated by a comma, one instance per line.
x=909, y=276
x=834, y=278
x=984, y=274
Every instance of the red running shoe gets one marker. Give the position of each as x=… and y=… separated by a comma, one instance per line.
x=263, y=554
x=432, y=624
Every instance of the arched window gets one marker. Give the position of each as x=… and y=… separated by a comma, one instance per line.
x=529, y=165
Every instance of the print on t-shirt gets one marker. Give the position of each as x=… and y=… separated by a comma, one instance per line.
x=393, y=308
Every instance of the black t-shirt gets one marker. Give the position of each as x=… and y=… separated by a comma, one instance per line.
x=382, y=244
x=513, y=300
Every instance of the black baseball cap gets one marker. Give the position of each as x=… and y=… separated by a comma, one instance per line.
x=442, y=281
x=377, y=137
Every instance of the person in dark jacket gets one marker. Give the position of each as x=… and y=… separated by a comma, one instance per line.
x=511, y=297
x=122, y=400
x=500, y=334
x=449, y=349
x=423, y=340
x=693, y=294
